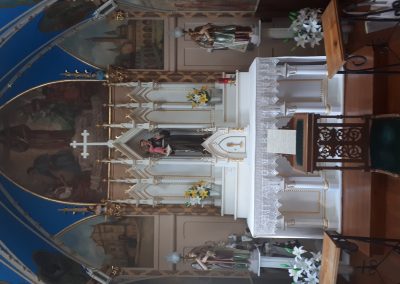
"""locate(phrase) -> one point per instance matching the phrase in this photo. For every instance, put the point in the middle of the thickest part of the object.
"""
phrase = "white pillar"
(306, 183)
(183, 180)
(305, 223)
(299, 108)
(184, 126)
(179, 106)
(311, 70)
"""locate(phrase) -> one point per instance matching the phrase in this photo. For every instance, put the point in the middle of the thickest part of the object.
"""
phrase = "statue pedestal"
(257, 261)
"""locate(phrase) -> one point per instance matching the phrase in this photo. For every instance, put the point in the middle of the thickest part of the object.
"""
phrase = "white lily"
(295, 274)
(314, 41)
(301, 40)
(317, 256)
(195, 200)
(312, 278)
(298, 251)
(307, 27)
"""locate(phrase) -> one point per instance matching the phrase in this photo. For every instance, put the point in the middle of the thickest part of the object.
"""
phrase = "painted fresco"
(122, 242)
(56, 268)
(195, 5)
(36, 129)
(133, 44)
(65, 14)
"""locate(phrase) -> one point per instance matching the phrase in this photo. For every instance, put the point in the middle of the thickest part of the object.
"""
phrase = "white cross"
(85, 144)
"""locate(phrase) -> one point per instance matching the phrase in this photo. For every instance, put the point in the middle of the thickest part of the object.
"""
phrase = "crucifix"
(85, 144)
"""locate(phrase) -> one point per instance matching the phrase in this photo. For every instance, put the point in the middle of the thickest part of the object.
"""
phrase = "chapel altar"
(246, 180)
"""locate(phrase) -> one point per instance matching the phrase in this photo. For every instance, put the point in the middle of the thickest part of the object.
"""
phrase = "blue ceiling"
(29, 59)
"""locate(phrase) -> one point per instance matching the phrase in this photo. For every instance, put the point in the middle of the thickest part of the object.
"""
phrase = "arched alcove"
(36, 129)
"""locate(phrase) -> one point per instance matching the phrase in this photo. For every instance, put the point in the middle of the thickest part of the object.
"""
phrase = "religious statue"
(166, 144)
(213, 256)
(232, 37)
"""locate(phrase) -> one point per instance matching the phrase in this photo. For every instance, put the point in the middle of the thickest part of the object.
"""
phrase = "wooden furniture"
(334, 49)
(330, 261)
(326, 142)
(334, 242)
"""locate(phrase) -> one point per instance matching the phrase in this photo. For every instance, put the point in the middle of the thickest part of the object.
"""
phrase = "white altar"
(248, 182)
(259, 186)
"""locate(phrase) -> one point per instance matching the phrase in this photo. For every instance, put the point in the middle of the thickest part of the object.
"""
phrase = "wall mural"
(35, 132)
(65, 14)
(56, 268)
(123, 242)
(194, 5)
(133, 44)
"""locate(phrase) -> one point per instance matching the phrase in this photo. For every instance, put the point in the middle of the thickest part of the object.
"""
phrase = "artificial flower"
(198, 96)
(312, 278)
(203, 194)
(295, 274)
(298, 251)
(317, 256)
(306, 27)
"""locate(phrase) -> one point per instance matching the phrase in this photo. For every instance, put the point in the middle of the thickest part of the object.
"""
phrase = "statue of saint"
(212, 257)
(166, 144)
(223, 37)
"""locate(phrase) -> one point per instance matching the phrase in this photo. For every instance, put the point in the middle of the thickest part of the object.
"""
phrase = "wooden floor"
(371, 201)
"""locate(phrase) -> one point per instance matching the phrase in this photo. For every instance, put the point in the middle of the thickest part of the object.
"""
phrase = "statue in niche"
(166, 144)
(232, 37)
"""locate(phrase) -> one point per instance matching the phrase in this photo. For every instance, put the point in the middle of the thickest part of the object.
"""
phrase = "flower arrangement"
(304, 269)
(306, 26)
(197, 193)
(199, 97)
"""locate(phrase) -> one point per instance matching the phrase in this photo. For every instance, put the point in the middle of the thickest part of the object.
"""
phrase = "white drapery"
(267, 184)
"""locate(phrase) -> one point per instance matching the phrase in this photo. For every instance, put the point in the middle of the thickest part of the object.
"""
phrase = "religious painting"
(132, 44)
(193, 5)
(36, 130)
(56, 268)
(122, 242)
(65, 14)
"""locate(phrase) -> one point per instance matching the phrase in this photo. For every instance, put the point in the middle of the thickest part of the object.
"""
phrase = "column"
(306, 183)
(183, 180)
(298, 108)
(311, 70)
(305, 223)
(184, 126)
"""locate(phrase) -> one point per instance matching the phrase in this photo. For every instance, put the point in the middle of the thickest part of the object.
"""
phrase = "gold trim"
(111, 97)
